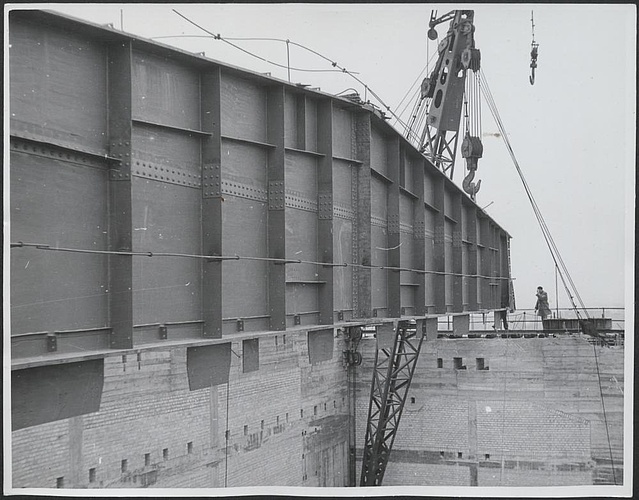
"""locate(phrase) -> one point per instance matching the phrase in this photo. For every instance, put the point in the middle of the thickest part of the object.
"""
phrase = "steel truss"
(392, 376)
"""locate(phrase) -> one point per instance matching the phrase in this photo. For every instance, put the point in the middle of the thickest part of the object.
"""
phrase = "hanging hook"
(469, 186)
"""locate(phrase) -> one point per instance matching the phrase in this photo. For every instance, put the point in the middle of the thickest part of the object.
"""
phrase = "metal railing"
(527, 319)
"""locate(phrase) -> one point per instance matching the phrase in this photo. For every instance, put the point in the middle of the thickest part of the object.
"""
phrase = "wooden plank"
(244, 109)
(276, 212)
(393, 241)
(325, 143)
(58, 86)
(165, 91)
(120, 191)
(211, 223)
(56, 290)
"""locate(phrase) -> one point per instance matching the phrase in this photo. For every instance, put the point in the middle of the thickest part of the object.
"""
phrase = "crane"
(399, 344)
(446, 93)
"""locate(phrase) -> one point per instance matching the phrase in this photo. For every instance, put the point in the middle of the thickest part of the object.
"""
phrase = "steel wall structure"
(132, 150)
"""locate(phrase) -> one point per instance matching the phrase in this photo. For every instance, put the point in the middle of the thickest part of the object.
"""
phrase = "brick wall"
(537, 406)
(147, 408)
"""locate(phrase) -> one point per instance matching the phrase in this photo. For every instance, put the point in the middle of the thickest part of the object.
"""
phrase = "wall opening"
(124, 465)
(147, 459)
(165, 453)
(481, 364)
(59, 482)
(189, 447)
(458, 363)
(440, 363)
(92, 475)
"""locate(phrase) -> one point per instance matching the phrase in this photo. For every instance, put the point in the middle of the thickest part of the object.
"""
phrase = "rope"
(554, 251)
(333, 63)
(275, 260)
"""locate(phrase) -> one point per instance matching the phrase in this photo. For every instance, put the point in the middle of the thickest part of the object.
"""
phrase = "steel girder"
(392, 376)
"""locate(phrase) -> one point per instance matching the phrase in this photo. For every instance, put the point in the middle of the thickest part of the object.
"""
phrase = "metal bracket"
(325, 207)
(276, 199)
(163, 331)
(240, 325)
(297, 320)
(340, 316)
(211, 181)
(52, 342)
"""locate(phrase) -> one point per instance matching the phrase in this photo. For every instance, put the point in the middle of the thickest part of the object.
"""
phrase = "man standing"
(541, 307)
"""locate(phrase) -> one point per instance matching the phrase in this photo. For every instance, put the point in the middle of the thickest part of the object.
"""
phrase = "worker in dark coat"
(541, 307)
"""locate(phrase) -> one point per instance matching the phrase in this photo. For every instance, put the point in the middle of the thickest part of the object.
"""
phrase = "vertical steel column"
(276, 209)
(119, 75)
(325, 209)
(392, 376)
(472, 257)
(484, 240)
(210, 117)
(458, 281)
(419, 235)
(504, 284)
(439, 280)
(300, 110)
(393, 290)
(362, 292)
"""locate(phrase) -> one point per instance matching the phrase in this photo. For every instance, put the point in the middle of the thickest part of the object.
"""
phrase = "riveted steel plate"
(457, 239)
(439, 234)
(22, 145)
(242, 190)
(276, 199)
(211, 181)
(378, 221)
(165, 173)
(419, 230)
(393, 223)
(325, 206)
(343, 212)
(297, 199)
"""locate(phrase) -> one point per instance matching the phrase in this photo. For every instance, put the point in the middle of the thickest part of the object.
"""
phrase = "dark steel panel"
(457, 257)
(208, 365)
(165, 91)
(310, 124)
(472, 257)
(49, 393)
(120, 209)
(379, 153)
(393, 240)
(166, 218)
(439, 255)
(243, 110)
(167, 149)
(362, 230)
(250, 355)
(212, 227)
(448, 263)
(277, 214)
(379, 257)
(291, 123)
(342, 253)
(325, 142)
(58, 86)
(56, 290)
(245, 282)
(342, 132)
(419, 236)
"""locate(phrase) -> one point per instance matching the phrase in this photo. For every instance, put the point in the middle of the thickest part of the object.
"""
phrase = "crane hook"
(469, 186)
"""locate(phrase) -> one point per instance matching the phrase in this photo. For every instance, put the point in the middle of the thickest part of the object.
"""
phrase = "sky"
(573, 131)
